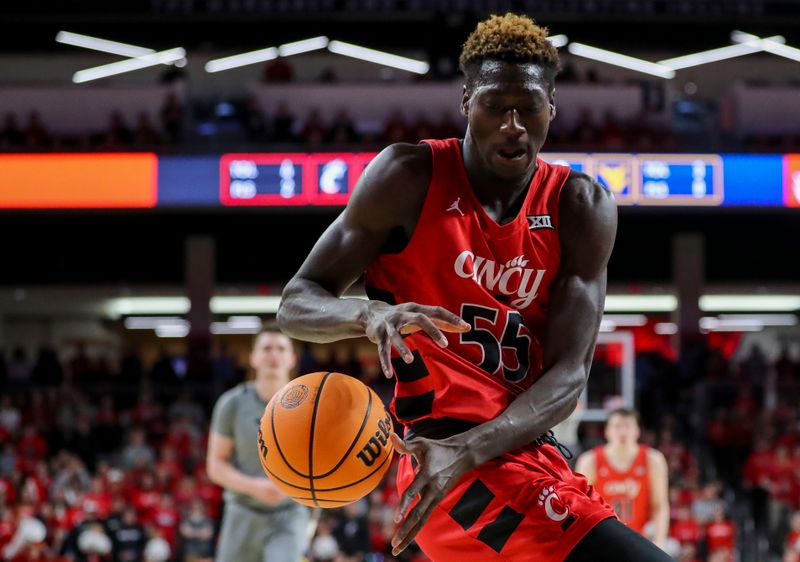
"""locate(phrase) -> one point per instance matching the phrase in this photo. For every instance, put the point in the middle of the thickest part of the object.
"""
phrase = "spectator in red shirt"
(685, 529)
(146, 497)
(165, 517)
(793, 539)
(720, 533)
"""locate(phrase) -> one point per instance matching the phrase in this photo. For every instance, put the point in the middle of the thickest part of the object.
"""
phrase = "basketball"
(324, 439)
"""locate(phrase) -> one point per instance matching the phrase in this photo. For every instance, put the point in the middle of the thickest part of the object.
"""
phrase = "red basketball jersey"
(496, 277)
(627, 491)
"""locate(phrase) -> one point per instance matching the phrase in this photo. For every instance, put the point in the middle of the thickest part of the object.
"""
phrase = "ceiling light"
(235, 61)
(558, 41)
(304, 46)
(173, 331)
(775, 44)
(666, 328)
(641, 303)
(239, 305)
(154, 59)
(754, 303)
(624, 61)
(378, 57)
(103, 45)
(626, 319)
(712, 55)
(147, 305)
(152, 322)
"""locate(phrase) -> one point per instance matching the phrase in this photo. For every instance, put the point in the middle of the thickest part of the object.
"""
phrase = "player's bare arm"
(659, 496)
(588, 222)
(587, 465)
(387, 201)
(223, 473)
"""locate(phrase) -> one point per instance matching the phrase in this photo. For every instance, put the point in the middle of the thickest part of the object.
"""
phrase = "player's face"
(509, 110)
(272, 356)
(622, 430)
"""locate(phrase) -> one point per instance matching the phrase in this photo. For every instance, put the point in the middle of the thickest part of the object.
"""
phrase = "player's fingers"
(401, 347)
(414, 522)
(385, 355)
(416, 487)
(445, 319)
(399, 445)
(430, 328)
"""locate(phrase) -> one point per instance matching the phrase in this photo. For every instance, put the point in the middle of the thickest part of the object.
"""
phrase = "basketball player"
(493, 263)
(631, 477)
(260, 524)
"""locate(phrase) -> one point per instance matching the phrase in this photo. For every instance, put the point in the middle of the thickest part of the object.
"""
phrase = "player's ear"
(465, 95)
(552, 104)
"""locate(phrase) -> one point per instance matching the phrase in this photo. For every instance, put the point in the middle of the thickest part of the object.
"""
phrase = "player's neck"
(622, 450)
(490, 190)
(267, 385)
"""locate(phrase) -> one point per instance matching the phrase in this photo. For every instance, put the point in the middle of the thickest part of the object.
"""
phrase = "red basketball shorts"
(527, 506)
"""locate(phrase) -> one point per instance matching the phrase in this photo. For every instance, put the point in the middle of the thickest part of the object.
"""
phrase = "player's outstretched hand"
(387, 323)
(441, 464)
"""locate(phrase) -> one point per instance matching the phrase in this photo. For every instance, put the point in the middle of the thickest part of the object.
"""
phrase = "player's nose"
(512, 124)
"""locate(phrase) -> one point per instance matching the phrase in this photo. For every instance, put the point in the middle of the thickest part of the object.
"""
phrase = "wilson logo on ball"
(295, 396)
(261, 444)
(372, 450)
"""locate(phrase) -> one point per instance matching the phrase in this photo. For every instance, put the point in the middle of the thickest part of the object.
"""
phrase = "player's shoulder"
(399, 163)
(233, 395)
(656, 456)
(392, 189)
(582, 193)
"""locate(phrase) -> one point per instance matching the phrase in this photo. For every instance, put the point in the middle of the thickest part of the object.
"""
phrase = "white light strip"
(774, 44)
(147, 305)
(152, 322)
(304, 46)
(666, 328)
(641, 303)
(606, 327)
(626, 319)
(558, 41)
(235, 61)
(760, 319)
(243, 305)
(244, 322)
(103, 45)
(617, 59)
(154, 59)
(713, 55)
(754, 303)
(218, 328)
(378, 57)
(173, 331)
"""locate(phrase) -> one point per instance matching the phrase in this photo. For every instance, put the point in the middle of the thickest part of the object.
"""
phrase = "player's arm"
(389, 196)
(587, 465)
(224, 474)
(658, 475)
(587, 228)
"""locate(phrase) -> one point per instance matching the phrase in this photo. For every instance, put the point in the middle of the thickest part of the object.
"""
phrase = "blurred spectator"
(324, 547)
(197, 534)
(396, 128)
(352, 531)
(10, 416)
(137, 454)
(313, 131)
(720, 533)
(172, 117)
(278, 70)
(283, 124)
(253, 121)
(129, 537)
(47, 371)
(36, 135)
(11, 136)
(19, 369)
(342, 130)
(145, 134)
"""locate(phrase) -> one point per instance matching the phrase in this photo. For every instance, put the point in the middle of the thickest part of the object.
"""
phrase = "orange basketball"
(324, 439)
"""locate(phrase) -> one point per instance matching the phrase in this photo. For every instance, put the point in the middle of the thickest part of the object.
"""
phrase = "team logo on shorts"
(553, 506)
(295, 396)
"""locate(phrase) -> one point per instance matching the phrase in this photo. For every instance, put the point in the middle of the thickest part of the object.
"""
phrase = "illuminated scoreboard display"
(300, 179)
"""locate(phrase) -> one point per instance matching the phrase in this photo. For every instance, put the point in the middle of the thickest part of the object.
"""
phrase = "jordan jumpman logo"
(454, 207)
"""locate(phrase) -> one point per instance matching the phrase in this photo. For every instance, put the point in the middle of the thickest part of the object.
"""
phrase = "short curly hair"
(511, 38)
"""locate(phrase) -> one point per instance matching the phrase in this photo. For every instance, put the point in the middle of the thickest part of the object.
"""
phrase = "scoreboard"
(299, 179)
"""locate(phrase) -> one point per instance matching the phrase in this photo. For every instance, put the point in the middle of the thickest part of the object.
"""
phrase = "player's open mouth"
(510, 154)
